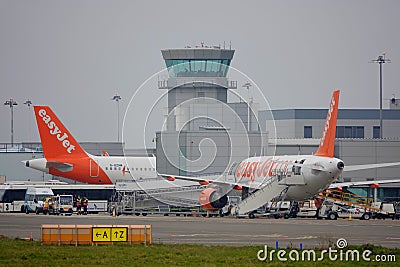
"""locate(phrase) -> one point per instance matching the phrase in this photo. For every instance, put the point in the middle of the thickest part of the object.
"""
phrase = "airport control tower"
(199, 123)
(196, 72)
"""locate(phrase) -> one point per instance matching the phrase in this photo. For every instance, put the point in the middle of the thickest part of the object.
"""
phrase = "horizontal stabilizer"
(61, 166)
(369, 166)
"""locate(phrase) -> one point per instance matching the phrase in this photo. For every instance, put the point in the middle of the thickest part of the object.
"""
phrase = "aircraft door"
(94, 169)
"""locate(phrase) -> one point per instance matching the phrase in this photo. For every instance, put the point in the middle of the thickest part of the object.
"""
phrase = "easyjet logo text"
(54, 130)
(328, 119)
(257, 169)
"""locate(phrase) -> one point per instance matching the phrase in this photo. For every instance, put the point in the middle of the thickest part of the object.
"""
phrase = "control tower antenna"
(380, 60)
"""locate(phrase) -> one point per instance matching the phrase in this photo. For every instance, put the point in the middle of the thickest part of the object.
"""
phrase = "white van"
(35, 198)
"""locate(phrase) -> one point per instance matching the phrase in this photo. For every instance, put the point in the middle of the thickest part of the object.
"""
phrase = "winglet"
(57, 141)
(327, 143)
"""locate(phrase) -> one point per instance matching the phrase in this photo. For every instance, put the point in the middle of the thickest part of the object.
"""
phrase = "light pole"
(117, 98)
(29, 103)
(11, 103)
(247, 86)
(380, 60)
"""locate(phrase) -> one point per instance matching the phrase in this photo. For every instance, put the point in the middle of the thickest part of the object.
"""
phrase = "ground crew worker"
(85, 205)
(79, 205)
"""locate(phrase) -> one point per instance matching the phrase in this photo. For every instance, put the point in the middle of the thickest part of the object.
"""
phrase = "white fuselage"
(117, 169)
(303, 175)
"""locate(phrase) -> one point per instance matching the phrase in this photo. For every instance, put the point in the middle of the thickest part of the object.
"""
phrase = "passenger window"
(106, 168)
(145, 169)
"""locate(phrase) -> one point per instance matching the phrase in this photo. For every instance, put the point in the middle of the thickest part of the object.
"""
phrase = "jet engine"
(210, 199)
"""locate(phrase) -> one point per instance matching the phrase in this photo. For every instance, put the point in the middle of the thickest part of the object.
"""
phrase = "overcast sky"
(74, 55)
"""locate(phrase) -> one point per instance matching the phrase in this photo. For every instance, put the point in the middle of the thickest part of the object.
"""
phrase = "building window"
(350, 132)
(307, 131)
(359, 131)
(376, 132)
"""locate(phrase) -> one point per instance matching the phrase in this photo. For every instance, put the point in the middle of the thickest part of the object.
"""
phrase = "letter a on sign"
(101, 234)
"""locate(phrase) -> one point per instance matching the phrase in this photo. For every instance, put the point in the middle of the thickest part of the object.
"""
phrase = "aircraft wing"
(349, 184)
(61, 166)
(369, 166)
(224, 180)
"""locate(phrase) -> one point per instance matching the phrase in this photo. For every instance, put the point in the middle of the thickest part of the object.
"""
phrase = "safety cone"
(114, 214)
(350, 218)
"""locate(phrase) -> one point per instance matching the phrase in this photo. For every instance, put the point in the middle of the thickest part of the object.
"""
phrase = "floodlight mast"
(380, 60)
(247, 85)
(11, 103)
(117, 98)
(28, 102)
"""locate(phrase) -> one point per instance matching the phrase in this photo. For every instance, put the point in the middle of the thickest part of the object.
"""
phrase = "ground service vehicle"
(387, 210)
(35, 198)
(60, 204)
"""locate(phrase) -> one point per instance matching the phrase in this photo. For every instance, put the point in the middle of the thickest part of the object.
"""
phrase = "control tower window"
(197, 68)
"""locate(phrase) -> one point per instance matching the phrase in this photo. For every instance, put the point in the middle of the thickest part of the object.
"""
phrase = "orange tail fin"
(327, 144)
(56, 139)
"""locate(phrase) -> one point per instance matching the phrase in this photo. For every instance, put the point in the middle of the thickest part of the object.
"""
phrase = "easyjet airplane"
(277, 178)
(64, 157)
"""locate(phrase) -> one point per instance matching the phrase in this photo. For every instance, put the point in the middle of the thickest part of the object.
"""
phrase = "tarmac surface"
(229, 231)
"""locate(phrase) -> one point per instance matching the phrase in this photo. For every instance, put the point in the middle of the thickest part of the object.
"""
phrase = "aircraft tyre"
(286, 216)
(251, 215)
